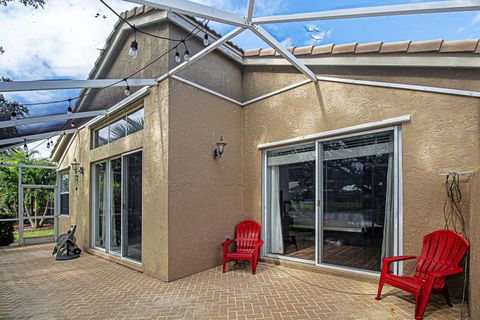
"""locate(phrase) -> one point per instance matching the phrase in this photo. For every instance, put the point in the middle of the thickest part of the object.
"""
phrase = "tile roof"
(431, 46)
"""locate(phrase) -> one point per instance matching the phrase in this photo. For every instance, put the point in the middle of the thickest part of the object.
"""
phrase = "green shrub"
(6, 229)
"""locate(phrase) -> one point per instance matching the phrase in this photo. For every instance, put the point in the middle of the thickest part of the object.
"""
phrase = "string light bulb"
(206, 42)
(186, 55)
(133, 52)
(69, 109)
(25, 147)
(13, 116)
(48, 144)
(72, 124)
(177, 57)
(126, 92)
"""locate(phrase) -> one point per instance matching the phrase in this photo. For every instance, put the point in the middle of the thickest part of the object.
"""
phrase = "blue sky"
(62, 40)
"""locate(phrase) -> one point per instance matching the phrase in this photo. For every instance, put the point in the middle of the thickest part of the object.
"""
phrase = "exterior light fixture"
(13, 116)
(205, 40)
(77, 169)
(72, 124)
(133, 52)
(25, 147)
(218, 151)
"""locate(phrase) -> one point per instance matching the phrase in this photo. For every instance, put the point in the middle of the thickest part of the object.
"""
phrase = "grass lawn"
(35, 233)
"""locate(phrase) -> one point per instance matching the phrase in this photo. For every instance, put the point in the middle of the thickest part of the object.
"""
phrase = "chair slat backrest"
(247, 232)
(441, 250)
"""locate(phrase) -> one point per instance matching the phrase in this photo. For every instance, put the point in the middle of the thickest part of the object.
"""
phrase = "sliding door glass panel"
(291, 201)
(357, 200)
(132, 222)
(116, 205)
(100, 207)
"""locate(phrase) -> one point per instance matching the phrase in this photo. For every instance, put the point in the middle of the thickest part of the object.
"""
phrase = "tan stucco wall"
(214, 71)
(149, 48)
(205, 195)
(474, 237)
(153, 141)
(442, 136)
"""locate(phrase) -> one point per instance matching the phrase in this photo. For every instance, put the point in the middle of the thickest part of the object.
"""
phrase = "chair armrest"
(388, 261)
(258, 244)
(399, 258)
(226, 243)
(446, 272)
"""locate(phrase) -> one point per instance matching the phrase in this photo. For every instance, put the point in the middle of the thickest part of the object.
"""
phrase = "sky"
(61, 41)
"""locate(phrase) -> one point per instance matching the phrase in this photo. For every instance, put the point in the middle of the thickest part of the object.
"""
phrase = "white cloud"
(318, 37)
(288, 42)
(58, 41)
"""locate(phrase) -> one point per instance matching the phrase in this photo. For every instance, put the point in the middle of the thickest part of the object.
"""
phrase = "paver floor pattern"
(35, 286)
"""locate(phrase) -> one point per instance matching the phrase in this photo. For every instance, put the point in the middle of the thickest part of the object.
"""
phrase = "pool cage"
(30, 129)
(34, 207)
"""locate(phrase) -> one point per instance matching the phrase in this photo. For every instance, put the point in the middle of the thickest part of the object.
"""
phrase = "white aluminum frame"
(187, 7)
(38, 85)
(375, 11)
(397, 199)
(20, 212)
(55, 117)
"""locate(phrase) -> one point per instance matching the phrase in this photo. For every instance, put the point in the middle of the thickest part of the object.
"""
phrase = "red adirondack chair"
(247, 235)
(441, 253)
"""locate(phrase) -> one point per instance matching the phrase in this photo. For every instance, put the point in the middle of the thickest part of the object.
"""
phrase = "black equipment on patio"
(65, 247)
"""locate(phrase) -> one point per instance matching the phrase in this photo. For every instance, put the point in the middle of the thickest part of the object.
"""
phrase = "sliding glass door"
(117, 206)
(332, 202)
(100, 205)
(132, 217)
(291, 182)
(357, 185)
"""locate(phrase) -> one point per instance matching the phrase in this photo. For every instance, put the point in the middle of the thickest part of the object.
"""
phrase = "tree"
(33, 3)
(6, 109)
(37, 202)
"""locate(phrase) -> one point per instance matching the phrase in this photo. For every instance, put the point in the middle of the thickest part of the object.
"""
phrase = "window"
(64, 193)
(128, 124)
(332, 202)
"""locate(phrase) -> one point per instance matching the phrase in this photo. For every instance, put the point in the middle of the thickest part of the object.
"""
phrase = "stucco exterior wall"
(153, 141)
(204, 195)
(214, 71)
(442, 137)
(149, 48)
(474, 237)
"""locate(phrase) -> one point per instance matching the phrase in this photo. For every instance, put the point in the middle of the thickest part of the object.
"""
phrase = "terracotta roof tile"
(368, 47)
(291, 49)
(425, 46)
(252, 52)
(344, 48)
(459, 46)
(326, 48)
(303, 50)
(267, 52)
(130, 13)
(400, 46)
(140, 10)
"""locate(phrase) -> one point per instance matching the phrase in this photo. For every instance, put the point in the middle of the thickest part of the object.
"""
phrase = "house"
(339, 172)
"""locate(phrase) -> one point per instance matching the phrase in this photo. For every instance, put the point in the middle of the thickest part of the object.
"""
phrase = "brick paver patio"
(34, 286)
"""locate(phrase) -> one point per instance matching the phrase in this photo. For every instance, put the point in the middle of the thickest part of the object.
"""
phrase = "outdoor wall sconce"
(218, 151)
(76, 168)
